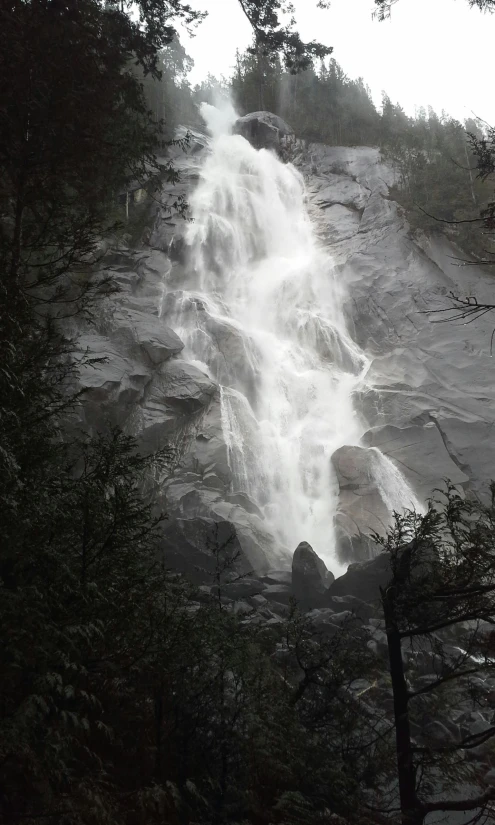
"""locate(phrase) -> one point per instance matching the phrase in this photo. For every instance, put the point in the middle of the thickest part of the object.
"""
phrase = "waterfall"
(263, 315)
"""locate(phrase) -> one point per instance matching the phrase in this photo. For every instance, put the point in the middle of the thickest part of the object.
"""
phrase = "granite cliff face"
(430, 405)
(424, 399)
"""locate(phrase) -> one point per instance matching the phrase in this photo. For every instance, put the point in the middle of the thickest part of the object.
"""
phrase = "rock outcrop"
(310, 577)
(362, 509)
(363, 580)
(264, 130)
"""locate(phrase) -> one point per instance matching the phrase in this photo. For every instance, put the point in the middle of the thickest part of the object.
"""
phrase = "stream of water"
(269, 326)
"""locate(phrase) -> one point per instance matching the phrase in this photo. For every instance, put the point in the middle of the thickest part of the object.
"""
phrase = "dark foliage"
(439, 610)
(321, 103)
(273, 37)
(384, 7)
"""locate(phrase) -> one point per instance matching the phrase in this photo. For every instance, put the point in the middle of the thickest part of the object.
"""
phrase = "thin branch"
(460, 804)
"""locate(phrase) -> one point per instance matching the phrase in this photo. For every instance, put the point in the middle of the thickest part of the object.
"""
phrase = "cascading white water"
(264, 317)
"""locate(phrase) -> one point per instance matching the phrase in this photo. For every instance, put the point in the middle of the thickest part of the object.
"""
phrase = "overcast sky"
(432, 52)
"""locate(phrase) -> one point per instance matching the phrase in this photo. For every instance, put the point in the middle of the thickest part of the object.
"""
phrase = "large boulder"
(144, 336)
(416, 562)
(178, 391)
(264, 130)
(184, 387)
(112, 385)
(362, 509)
(205, 450)
(363, 580)
(310, 577)
(191, 546)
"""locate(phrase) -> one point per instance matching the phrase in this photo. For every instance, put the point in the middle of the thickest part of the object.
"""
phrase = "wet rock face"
(420, 450)
(429, 398)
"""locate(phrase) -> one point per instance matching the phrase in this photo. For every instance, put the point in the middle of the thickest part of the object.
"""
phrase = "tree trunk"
(158, 702)
(470, 174)
(409, 804)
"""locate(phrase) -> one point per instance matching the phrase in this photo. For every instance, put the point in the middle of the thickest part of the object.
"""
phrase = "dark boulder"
(358, 607)
(310, 577)
(263, 130)
(243, 588)
(363, 580)
(189, 545)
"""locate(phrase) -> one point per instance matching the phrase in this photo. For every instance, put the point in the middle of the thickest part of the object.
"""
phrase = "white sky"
(432, 52)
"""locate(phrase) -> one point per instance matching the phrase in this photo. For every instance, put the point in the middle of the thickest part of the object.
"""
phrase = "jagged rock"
(193, 142)
(241, 609)
(177, 391)
(112, 387)
(443, 731)
(258, 601)
(233, 357)
(242, 589)
(277, 593)
(421, 372)
(212, 481)
(231, 353)
(162, 232)
(187, 497)
(254, 537)
(121, 257)
(184, 387)
(273, 621)
(322, 619)
(363, 579)
(310, 577)
(278, 610)
(205, 450)
(278, 577)
(262, 129)
(328, 622)
(244, 501)
(360, 608)
(158, 341)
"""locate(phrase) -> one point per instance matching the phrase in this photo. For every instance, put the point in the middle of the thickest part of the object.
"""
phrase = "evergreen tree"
(273, 37)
